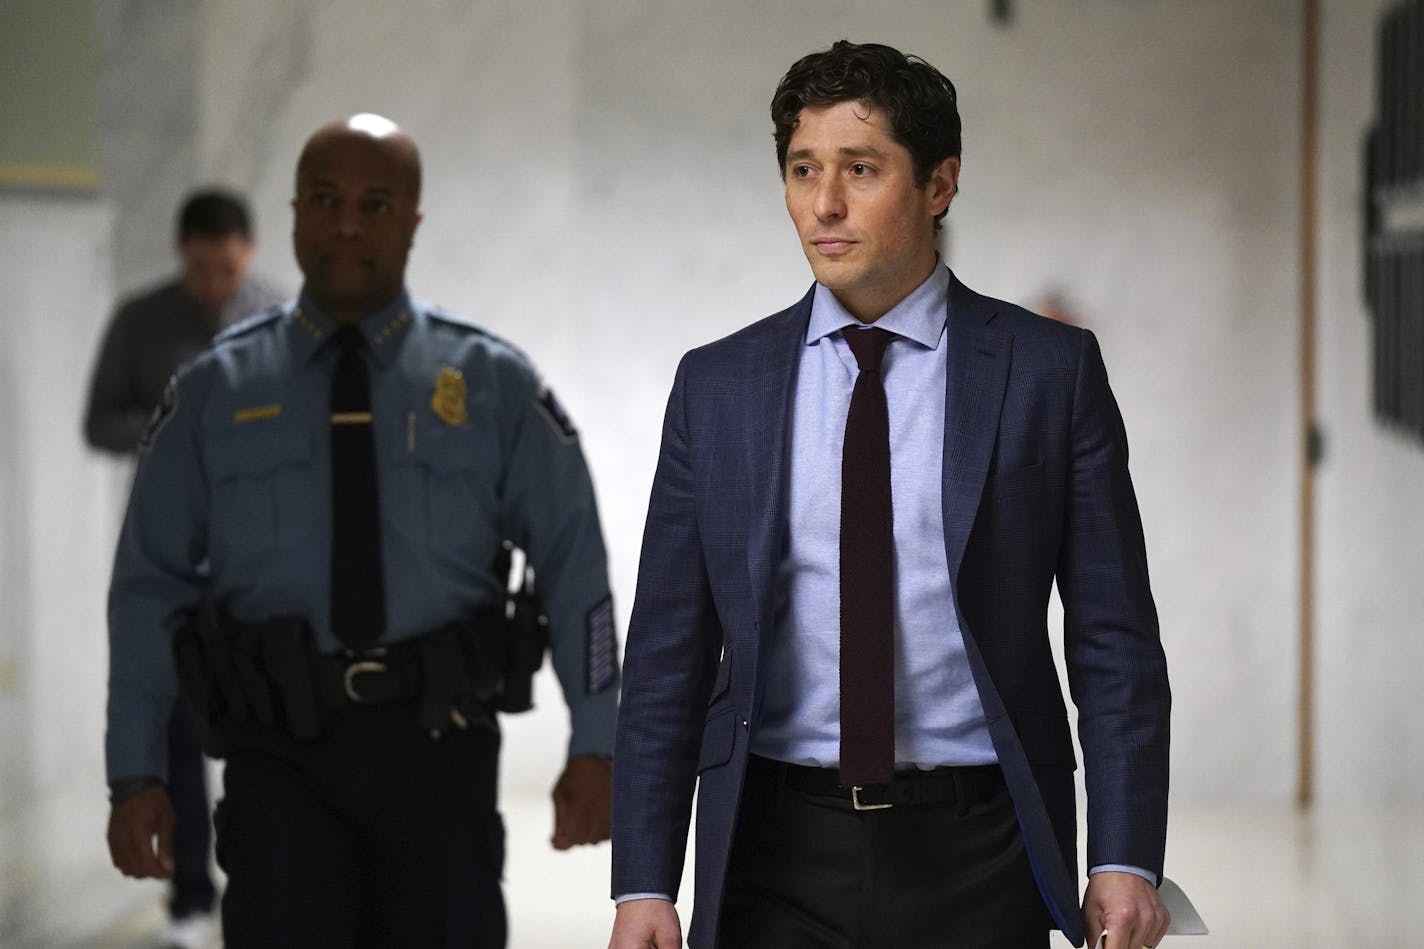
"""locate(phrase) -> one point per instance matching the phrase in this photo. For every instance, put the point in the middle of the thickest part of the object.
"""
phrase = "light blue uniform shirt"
(232, 502)
(938, 717)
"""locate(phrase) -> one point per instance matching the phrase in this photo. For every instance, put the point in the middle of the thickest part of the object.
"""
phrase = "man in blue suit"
(840, 636)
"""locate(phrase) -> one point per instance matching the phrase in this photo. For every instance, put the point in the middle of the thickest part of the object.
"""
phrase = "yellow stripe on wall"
(34, 175)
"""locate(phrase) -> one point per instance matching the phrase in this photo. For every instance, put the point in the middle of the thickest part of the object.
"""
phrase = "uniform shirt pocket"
(262, 491)
(449, 486)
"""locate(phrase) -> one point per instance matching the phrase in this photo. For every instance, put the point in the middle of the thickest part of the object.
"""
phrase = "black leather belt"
(374, 677)
(963, 786)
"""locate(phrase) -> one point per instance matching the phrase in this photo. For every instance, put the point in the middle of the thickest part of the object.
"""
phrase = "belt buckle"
(856, 802)
(348, 678)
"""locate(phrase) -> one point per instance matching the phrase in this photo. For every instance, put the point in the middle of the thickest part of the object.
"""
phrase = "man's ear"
(943, 184)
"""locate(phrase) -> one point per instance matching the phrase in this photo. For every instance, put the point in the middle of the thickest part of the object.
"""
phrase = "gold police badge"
(449, 399)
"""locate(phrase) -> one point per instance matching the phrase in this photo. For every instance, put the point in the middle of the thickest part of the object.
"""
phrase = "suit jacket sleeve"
(674, 639)
(1116, 668)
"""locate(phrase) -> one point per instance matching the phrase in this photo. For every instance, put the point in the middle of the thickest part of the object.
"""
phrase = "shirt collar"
(920, 316)
(383, 329)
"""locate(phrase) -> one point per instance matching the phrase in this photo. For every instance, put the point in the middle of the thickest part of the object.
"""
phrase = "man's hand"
(1126, 906)
(583, 802)
(141, 834)
(646, 924)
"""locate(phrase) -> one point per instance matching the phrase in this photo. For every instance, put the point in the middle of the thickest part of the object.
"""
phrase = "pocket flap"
(262, 448)
(718, 736)
(724, 676)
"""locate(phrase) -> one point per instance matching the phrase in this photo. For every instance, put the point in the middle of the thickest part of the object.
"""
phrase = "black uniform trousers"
(374, 835)
(808, 871)
(192, 889)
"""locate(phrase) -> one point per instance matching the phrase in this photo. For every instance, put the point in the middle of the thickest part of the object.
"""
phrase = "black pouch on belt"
(288, 658)
(196, 681)
(451, 691)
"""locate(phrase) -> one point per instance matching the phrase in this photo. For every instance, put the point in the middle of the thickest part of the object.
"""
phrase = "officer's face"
(355, 215)
(214, 267)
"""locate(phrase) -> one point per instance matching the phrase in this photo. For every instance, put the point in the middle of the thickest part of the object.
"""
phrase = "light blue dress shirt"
(938, 717)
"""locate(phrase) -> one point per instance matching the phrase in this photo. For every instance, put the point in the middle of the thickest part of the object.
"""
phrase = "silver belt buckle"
(348, 678)
(855, 801)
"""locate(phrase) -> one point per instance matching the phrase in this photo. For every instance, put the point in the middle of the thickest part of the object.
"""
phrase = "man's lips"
(832, 246)
(345, 260)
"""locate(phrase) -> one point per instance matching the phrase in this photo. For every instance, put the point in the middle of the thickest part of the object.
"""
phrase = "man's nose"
(346, 217)
(829, 203)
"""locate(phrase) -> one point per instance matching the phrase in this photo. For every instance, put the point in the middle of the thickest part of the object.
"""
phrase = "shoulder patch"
(602, 647)
(162, 412)
(554, 414)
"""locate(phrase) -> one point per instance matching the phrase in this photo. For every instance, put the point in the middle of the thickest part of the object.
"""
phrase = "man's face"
(354, 221)
(866, 228)
(214, 267)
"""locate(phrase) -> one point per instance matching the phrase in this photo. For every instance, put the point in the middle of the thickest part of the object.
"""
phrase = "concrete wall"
(59, 510)
(601, 188)
(1371, 514)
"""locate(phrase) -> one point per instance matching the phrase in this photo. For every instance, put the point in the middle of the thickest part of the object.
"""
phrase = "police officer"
(350, 465)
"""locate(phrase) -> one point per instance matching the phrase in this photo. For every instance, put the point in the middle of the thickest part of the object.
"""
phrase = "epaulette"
(470, 326)
(250, 323)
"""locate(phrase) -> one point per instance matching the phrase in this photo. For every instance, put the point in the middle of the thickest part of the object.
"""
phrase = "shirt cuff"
(1147, 875)
(125, 788)
(620, 900)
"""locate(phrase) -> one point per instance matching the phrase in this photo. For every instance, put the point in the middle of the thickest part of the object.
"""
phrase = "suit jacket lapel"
(771, 379)
(975, 380)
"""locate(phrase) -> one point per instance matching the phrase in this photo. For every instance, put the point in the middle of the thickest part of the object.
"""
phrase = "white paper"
(1186, 921)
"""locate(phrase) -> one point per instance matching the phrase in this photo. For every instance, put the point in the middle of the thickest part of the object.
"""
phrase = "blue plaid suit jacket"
(1036, 488)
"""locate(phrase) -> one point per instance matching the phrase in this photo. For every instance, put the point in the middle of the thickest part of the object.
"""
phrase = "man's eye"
(800, 171)
(375, 206)
(321, 199)
(860, 169)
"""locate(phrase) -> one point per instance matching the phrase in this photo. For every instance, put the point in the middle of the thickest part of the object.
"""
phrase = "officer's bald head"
(365, 131)
(356, 209)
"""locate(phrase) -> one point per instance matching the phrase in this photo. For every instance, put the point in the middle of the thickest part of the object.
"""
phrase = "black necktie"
(358, 600)
(867, 574)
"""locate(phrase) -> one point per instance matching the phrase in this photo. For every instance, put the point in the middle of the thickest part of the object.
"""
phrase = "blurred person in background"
(155, 331)
(149, 336)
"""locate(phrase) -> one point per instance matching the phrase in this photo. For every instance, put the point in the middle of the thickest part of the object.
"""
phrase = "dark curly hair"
(920, 104)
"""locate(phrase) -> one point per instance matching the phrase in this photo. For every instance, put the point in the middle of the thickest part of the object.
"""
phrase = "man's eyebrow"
(845, 151)
(319, 182)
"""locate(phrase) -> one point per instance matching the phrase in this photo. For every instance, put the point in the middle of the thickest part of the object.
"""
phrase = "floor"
(1261, 877)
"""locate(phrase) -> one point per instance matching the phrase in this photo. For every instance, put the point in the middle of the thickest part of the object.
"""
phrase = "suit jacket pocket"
(1009, 484)
(1045, 738)
(718, 736)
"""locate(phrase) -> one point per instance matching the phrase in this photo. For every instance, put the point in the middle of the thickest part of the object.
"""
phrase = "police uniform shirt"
(232, 502)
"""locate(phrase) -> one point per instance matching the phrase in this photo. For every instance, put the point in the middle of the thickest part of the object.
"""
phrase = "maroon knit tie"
(867, 574)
